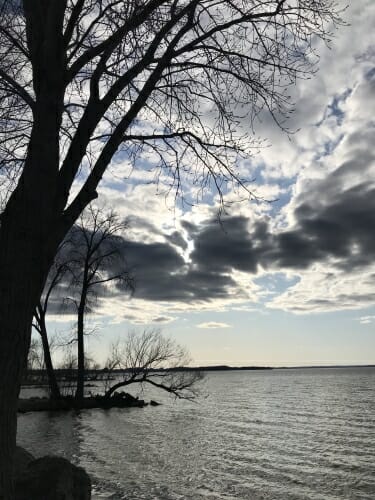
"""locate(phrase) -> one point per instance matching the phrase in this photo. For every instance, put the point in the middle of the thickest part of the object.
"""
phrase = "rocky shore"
(118, 400)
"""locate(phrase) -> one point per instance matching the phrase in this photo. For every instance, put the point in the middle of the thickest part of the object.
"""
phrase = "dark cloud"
(220, 248)
(335, 225)
(331, 224)
(342, 228)
(177, 239)
(161, 274)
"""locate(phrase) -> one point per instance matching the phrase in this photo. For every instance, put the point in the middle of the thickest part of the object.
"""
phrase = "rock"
(154, 403)
(22, 458)
(119, 400)
(125, 396)
(52, 478)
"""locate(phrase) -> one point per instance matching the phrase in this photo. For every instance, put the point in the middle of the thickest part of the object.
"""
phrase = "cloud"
(163, 319)
(161, 274)
(320, 232)
(322, 288)
(220, 248)
(366, 320)
(213, 324)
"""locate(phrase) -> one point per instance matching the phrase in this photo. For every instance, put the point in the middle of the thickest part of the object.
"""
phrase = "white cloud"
(366, 320)
(323, 288)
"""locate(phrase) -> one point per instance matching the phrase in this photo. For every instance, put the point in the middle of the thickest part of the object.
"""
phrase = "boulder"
(50, 478)
(22, 458)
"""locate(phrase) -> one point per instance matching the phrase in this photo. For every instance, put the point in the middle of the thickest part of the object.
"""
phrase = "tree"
(83, 79)
(58, 271)
(89, 257)
(151, 358)
(35, 358)
(95, 260)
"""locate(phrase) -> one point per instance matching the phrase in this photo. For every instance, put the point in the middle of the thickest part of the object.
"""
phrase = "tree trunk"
(52, 381)
(22, 273)
(30, 225)
(28, 243)
(13, 346)
(81, 346)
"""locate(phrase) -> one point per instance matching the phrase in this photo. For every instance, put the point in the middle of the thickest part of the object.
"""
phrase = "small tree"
(58, 272)
(151, 358)
(68, 370)
(35, 358)
(95, 260)
(89, 257)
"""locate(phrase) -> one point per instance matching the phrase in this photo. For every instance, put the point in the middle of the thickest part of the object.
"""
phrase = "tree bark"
(12, 359)
(30, 223)
(81, 345)
(29, 239)
(22, 273)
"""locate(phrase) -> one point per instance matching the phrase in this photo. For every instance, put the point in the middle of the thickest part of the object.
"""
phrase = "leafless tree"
(68, 369)
(88, 258)
(151, 358)
(56, 275)
(35, 358)
(83, 79)
(95, 260)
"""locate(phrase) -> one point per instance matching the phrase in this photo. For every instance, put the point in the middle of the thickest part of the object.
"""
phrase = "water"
(281, 434)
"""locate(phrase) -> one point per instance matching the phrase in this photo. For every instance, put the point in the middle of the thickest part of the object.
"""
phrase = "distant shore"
(236, 368)
(320, 366)
(93, 376)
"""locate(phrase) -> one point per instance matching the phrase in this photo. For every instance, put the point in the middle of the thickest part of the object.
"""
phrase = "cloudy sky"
(290, 278)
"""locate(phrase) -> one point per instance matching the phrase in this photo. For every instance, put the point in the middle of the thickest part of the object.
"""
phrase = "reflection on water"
(282, 434)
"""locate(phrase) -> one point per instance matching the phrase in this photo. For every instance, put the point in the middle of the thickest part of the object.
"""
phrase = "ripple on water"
(272, 435)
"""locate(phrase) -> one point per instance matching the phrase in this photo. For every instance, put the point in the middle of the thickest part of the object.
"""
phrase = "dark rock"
(125, 396)
(66, 404)
(154, 403)
(130, 398)
(52, 478)
(22, 459)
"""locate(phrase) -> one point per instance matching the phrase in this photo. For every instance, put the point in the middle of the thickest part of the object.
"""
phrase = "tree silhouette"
(89, 257)
(152, 358)
(81, 80)
(95, 260)
(58, 271)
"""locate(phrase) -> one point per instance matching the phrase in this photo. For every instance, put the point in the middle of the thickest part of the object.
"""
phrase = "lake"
(283, 434)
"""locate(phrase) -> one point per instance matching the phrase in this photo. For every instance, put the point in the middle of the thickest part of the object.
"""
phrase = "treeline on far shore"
(99, 374)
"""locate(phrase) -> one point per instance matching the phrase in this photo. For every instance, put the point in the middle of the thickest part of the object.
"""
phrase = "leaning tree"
(81, 80)
(150, 358)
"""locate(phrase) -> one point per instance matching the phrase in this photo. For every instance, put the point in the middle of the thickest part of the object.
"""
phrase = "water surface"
(280, 434)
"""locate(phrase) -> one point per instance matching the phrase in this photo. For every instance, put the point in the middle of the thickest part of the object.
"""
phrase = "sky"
(287, 279)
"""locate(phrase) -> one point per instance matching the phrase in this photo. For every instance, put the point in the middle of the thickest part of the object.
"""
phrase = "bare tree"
(151, 358)
(95, 260)
(89, 257)
(82, 79)
(57, 273)
(35, 358)
(68, 370)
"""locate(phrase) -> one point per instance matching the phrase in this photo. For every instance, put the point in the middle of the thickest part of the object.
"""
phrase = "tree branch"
(113, 40)
(88, 191)
(18, 89)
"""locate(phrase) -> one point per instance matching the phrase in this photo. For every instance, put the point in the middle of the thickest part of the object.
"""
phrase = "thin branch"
(18, 89)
